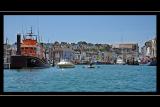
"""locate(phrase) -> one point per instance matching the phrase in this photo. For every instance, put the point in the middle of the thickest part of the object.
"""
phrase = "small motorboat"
(120, 61)
(65, 64)
(91, 66)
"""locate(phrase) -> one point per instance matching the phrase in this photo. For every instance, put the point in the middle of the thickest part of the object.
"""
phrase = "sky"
(107, 29)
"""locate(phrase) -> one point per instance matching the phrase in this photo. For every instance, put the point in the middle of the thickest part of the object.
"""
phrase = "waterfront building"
(143, 51)
(68, 54)
(77, 57)
(153, 48)
(127, 51)
(107, 57)
(56, 52)
(9, 50)
(149, 49)
(6, 53)
(60, 52)
(13, 49)
(149, 52)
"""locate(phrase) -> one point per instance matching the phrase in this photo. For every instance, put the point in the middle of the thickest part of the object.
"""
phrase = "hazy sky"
(108, 29)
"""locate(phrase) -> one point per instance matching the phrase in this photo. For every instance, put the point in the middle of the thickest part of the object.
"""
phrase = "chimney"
(18, 44)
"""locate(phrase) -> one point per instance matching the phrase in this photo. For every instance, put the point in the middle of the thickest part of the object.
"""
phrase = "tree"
(56, 43)
(108, 48)
(63, 43)
(102, 49)
(82, 43)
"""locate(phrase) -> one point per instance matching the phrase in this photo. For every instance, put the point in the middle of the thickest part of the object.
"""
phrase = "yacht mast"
(122, 48)
(6, 40)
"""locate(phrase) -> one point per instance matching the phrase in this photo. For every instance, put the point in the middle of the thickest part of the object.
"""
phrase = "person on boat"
(91, 65)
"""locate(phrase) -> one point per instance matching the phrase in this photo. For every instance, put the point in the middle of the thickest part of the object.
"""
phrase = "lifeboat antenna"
(38, 35)
(23, 32)
(38, 29)
(31, 29)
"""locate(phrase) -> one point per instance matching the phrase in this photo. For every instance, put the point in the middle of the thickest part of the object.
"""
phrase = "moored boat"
(65, 64)
(149, 62)
(120, 61)
(30, 54)
(152, 63)
(18, 62)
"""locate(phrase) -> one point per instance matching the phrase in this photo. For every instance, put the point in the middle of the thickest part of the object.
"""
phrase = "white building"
(150, 48)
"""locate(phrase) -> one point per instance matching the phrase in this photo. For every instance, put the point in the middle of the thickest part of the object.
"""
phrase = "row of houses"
(83, 52)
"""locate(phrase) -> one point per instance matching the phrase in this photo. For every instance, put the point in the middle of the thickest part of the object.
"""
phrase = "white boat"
(120, 61)
(65, 64)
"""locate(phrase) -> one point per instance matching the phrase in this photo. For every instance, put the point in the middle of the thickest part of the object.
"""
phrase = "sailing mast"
(6, 40)
(23, 32)
(122, 48)
(123, 51)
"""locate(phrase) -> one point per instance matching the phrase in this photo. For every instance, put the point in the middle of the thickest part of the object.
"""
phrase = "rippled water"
(106, 78)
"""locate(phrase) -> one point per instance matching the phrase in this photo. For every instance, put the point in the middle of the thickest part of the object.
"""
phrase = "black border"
(48, 5)
(1, 57)
(82, 13)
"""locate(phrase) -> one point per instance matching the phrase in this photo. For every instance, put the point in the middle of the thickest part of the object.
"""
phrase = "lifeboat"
(30, 54)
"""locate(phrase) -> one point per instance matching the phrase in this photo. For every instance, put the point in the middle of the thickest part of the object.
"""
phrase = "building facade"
(128, 51)
(149, 49)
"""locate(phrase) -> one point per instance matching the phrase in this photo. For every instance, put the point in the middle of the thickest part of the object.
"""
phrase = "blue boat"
(152, 63)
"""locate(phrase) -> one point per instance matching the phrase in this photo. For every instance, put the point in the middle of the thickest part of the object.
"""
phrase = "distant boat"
(91, 65)
(152, 63)
(65, 64)
(99, 63)
(120, 61)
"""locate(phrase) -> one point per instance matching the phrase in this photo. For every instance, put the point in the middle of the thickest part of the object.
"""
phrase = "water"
(106, 78)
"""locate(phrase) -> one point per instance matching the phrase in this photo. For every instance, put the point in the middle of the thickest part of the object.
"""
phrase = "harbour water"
(103, 78)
